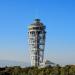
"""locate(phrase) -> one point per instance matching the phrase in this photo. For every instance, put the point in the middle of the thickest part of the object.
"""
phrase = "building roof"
(36, 23)
(48, 62)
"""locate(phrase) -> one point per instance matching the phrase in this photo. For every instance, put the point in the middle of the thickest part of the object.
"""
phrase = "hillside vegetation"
(56, 70)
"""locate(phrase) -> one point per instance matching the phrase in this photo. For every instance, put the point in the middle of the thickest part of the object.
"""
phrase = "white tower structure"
(36, 39)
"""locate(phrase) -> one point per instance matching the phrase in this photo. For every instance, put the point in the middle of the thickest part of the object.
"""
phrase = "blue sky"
(57, 15)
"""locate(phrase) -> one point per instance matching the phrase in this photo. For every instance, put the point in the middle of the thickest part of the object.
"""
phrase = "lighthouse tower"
(36, 40)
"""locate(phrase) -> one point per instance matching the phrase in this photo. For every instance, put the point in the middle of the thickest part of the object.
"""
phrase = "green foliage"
(55, 70)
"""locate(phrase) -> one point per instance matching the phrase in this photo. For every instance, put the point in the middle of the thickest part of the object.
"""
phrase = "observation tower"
(36, 41)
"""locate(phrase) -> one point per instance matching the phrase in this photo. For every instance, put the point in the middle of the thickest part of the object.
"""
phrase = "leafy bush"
(55, 70)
